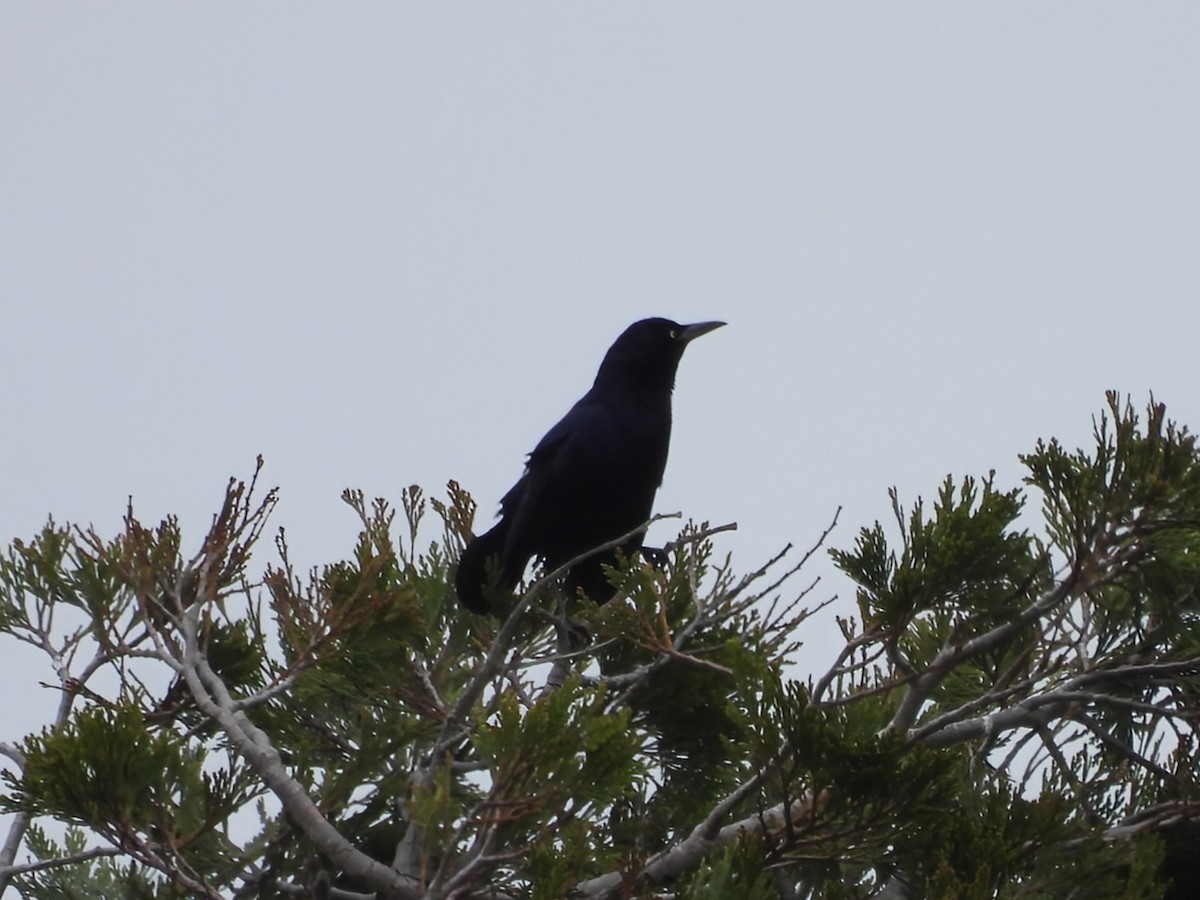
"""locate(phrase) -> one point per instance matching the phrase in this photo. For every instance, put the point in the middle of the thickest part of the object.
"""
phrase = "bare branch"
(255, 747)
(922, 687)
(687, 855)
(59, 861)
(11, 751)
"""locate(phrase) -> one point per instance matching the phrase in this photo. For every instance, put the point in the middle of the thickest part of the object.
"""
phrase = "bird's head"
(648, 352)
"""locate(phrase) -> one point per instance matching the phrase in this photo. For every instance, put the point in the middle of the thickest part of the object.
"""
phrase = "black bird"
(592, 478)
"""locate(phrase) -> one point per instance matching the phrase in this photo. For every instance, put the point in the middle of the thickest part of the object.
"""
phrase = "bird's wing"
(563, 450)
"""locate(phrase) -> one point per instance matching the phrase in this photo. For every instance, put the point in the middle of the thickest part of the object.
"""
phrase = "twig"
(687, 854)
(11, 751)
(69, 860)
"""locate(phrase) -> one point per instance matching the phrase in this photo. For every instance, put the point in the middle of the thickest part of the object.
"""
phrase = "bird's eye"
(673, 333)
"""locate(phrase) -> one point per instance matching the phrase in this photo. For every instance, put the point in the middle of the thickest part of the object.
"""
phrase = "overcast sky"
(385, 244)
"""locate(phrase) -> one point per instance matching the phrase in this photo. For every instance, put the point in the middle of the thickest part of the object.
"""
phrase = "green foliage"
(558, 860)
(685, 704)
(545, 759)
(1139, 480)
(737, 871)
(964, 559)
(106, 770)
(1012, 712)
(85, 880)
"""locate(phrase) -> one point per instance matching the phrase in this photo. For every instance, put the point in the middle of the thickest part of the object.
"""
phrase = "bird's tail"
(482, 572)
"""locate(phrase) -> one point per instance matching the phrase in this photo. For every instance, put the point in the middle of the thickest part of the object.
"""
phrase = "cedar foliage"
(1012, 712)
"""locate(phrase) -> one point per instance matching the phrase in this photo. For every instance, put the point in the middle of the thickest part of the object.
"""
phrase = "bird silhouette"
(592, 478)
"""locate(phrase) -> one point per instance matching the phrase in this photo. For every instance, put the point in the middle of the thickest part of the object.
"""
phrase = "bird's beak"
(691, 332)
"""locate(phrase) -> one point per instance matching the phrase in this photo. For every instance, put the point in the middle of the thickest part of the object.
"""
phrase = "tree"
(1013, 712)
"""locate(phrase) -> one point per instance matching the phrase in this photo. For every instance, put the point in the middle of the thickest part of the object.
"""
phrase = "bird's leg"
(562, 645)
(570, 638)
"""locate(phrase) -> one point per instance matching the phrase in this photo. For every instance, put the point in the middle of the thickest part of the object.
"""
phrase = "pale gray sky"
(344, 236)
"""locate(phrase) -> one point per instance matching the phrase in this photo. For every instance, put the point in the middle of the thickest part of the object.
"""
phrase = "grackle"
(592, 478)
